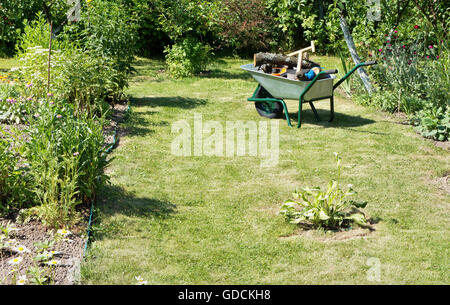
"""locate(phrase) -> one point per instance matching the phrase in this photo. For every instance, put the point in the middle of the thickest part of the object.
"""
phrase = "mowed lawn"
(214, 220)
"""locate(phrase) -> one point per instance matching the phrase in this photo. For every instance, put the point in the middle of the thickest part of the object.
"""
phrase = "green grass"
(213, 220)
(6, 64)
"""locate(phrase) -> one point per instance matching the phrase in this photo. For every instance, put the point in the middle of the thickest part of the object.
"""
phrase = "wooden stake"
(49, 56)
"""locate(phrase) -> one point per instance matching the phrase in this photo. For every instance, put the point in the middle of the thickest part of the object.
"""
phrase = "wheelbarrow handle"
(370, 63)
(363, 64)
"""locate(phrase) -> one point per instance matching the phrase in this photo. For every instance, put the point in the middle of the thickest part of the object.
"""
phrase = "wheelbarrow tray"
(284, 88)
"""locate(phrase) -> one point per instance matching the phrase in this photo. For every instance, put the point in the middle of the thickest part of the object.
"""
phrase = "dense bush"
(104, 37)
(246, 26)
(187, 57)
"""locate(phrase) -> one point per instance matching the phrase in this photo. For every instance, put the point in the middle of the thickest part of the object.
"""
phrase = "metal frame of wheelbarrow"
(301, 99)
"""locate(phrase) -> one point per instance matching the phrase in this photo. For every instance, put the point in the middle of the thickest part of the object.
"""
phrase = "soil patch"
(69, 257)
(443, 183)
(331, 235)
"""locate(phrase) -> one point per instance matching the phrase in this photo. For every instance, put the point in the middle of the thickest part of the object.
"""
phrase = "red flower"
(416, 26)
(380, 50)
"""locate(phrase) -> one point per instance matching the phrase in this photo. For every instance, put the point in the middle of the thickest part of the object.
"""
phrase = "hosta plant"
(433, 123)
(328, 208)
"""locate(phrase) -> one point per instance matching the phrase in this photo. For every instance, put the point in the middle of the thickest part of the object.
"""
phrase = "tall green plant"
(327, 208)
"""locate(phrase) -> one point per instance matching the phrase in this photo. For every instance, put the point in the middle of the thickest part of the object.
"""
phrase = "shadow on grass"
(341, 120)
(139, 123)
(114, 200)
(221, 74)
(176, 102)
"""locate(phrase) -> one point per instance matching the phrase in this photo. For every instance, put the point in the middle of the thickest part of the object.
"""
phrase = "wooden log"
(280, 60)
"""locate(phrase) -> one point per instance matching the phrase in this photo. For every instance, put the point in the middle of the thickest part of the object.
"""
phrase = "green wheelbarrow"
(272, 90)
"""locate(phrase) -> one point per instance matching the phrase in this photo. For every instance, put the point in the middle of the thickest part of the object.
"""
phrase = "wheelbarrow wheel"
(271, 110)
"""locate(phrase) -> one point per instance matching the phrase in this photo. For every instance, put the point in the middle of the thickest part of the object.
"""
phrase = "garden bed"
(28, 234)
(70, 252)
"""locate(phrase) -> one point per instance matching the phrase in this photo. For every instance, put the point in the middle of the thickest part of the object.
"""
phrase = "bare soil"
(27, 235)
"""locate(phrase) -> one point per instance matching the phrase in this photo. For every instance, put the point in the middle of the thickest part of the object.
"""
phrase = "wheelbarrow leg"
(286, 113)
(299, 123)
(331, 109)
(315, 111)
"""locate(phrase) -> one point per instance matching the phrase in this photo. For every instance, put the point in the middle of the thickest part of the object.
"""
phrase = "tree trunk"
(352, 48)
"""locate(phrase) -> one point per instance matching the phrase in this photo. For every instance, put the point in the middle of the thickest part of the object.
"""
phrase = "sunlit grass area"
(214, 220)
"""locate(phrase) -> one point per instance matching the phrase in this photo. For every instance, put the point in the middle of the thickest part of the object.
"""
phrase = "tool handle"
(370, 63)
(332, 71)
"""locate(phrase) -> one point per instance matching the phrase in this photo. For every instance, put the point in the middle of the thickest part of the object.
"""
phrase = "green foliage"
(246, 27)
(187, 18)
(325, 209)
(14, 16)
(433, 123)
(187, 58)
(13, 183)
(109, 33)
(67, 161)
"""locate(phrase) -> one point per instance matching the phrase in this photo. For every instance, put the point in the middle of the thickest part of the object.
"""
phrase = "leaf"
(323, 216)
(360, 204)
(358, 218)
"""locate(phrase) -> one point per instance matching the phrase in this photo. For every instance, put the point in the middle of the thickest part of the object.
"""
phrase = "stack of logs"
(268, 61)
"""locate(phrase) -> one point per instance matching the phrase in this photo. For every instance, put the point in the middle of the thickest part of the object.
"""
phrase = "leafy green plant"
(13, 184)
(67, 159)
(433, 123)
(187, 58)
(327, 208)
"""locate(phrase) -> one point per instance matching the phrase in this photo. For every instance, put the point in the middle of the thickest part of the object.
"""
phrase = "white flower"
(15, 261)
(64, 232)
(22, 280)
(140, 280)
(350, 185)
(53, 262)
(55, 253)
(10, 243)
(21, 249)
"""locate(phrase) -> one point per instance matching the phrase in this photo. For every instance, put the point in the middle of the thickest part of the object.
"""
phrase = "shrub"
(326, 209)
(75, 77)
(246, 27)
(107, 32)
(187, 58)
